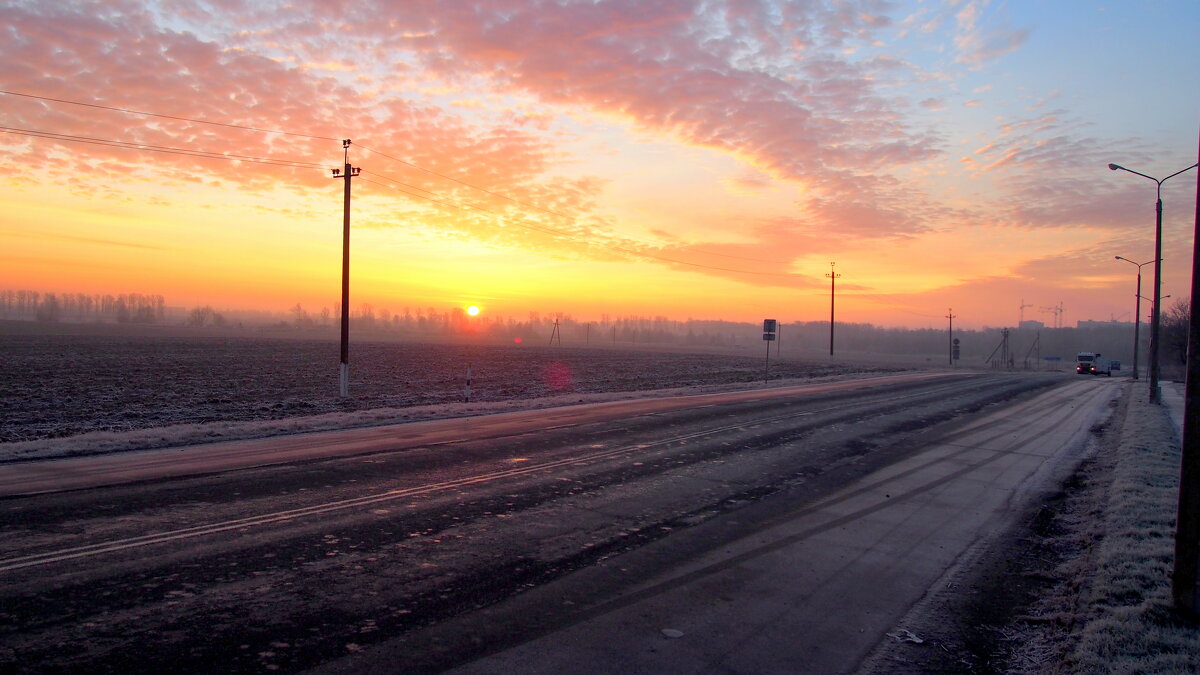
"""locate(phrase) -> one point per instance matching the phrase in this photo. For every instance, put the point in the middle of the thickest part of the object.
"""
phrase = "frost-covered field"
(58, 386)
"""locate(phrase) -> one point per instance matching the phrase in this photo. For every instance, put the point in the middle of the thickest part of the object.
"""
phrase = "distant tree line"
(429, 323)
(79, 307)
(1026, 348)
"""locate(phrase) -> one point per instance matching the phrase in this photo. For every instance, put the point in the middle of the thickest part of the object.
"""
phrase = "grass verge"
(1126, 622)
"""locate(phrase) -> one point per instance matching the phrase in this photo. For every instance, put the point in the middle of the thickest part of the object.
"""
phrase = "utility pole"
(833, 277)
(1185, 582)
(950, 340)
(345, 173)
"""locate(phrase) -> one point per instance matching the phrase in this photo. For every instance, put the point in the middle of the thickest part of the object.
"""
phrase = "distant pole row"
(1155, 310)
(1185, 577)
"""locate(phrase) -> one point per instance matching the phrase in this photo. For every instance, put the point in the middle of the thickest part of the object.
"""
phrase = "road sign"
(770, 326)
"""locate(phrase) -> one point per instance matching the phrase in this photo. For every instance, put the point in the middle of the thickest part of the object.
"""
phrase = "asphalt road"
(548, 540)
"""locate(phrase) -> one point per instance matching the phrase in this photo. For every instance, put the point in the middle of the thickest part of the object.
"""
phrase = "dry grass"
(1126, 623)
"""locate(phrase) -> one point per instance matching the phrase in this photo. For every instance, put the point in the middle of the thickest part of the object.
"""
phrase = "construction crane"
(1057, 311)
(1021, 314)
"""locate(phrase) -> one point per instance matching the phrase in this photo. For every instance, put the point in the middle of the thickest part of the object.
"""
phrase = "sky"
(713, 159)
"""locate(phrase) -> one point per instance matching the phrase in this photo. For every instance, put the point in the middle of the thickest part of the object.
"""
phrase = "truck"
(1092, 363)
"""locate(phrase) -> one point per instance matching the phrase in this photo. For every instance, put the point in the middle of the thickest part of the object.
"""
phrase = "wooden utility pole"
(833, 277)
(950, 340)
(345, 173)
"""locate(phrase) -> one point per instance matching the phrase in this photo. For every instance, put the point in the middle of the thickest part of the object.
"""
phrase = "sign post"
(770, 328)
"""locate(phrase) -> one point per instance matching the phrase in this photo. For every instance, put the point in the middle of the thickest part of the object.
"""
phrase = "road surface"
(772, 530)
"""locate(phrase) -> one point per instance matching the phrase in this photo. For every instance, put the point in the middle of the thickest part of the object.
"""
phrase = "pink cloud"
(706, 78)
(122, 58)
(673, 69)
(978, 44)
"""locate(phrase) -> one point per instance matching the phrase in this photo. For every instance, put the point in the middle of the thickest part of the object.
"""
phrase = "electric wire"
(891, 304)
(534, 207)
(567, 235)
(132, 145)
(330, 138)
(186, 151)
(169, 117)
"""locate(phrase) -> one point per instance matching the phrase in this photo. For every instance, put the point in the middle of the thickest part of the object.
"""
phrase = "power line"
(265, 160)
(567, 235)
(326, 138)
(34, 133)
(535, 207)
(890, 303)
(132, 145)
(740, 257)
(206, 154)
(169, 117)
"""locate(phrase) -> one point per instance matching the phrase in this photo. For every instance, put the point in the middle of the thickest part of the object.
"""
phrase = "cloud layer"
(468, 116)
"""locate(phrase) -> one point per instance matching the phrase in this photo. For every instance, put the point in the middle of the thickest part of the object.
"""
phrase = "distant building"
(1104, 324)
(1031, 325)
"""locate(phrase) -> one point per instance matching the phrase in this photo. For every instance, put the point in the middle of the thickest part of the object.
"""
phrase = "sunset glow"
(679, 159)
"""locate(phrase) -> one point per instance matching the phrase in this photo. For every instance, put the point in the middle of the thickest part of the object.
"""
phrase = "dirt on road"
(1075, 585)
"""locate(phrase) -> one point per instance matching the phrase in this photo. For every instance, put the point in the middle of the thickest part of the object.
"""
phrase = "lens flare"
(557, 376)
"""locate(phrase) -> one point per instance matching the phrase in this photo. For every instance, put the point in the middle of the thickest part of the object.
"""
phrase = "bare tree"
(1174, 329)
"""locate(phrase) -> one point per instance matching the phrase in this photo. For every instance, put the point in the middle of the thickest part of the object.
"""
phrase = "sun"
(473, 310)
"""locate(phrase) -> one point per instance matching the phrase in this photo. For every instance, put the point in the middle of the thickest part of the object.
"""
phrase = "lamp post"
(1155, 314)
(1137, 312)
(1185, 579)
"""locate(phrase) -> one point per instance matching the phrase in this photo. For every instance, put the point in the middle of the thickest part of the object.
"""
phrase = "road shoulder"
(1080, 583)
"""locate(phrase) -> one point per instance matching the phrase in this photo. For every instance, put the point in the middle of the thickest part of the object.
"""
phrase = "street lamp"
(1154, 317)
(1137, 312)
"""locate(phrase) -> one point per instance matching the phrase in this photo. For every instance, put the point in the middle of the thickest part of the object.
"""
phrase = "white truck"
(1092, 363)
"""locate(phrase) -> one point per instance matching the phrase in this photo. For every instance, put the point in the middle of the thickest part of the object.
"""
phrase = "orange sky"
(619, 157)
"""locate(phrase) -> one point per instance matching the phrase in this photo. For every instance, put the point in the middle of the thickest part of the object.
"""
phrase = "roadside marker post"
(770, 327)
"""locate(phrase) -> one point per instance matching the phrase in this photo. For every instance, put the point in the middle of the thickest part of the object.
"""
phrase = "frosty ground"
(1081, 586)
(67, 395)
(1082, 583)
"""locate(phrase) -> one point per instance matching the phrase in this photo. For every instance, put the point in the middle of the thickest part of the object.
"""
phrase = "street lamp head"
(1114, 167)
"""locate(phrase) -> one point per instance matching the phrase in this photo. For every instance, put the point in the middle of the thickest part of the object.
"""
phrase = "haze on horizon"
(682, 159)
